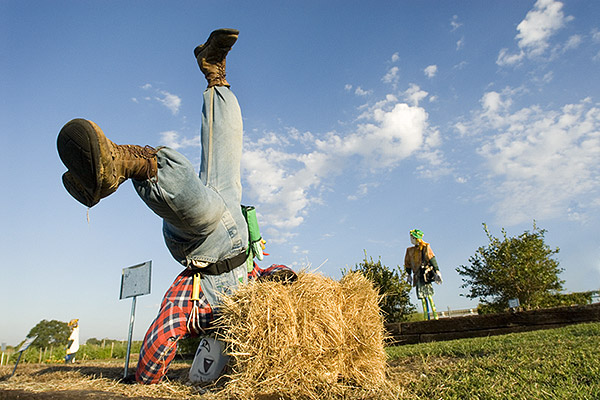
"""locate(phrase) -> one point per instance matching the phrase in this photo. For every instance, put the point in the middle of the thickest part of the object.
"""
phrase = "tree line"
(522, 267)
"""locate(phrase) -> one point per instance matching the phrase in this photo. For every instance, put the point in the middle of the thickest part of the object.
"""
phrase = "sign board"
(513, 303)
(26, 343)
(23, 347)
(135, 281)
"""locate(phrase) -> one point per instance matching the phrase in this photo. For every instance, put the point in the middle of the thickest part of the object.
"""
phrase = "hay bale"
(308, 339)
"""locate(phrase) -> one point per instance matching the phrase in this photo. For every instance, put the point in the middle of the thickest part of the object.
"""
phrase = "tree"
(392, 286)
(519, 267)
(50, 333)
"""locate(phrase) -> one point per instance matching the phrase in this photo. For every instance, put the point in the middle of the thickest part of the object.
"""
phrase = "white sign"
(513, 303)
(26, 343)
(135, 281)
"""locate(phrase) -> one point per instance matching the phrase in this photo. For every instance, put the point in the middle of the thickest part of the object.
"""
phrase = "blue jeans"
(202, 217)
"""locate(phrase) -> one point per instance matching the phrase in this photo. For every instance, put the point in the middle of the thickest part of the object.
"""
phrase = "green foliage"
(93, 341)
(392, 286)
(519, 267)
(50, 354)
(50, 333)
(103, 342)
(545, 364)
(188, 345)
(111, 349)
(570, 299)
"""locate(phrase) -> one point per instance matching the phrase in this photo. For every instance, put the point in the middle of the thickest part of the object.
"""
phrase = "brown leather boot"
(211, 55)
(97, 166)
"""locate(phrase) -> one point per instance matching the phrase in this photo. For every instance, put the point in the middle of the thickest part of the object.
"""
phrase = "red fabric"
(160, 343)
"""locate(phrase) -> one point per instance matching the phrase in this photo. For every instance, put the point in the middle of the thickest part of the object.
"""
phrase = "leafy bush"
(519, 267)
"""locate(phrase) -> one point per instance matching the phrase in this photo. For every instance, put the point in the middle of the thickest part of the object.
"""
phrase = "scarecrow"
(204, 226)
(422, 269)
(73, 343)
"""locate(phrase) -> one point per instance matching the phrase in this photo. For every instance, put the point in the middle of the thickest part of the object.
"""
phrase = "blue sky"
(362, 120)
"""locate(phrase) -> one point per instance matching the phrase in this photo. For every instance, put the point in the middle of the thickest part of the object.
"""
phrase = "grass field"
(559, 363)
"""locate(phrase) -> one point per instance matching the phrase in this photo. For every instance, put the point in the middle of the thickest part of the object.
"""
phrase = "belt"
(220, 267)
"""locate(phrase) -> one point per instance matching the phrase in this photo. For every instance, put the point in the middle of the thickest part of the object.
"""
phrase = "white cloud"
(534, 32)
(414, 94)
(539, 161)
(494, 105)
(360, 92)
(287, 173)
(171, 101)
(454, 23)
(573, 42)
(460, 43)
(460, 65)
(507, 59)
(548, 77)
(173, 140)
(363, 190)
(430, 71)
(395, 57)
(391, 76)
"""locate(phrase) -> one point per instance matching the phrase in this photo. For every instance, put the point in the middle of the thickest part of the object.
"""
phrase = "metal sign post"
(135, 281)
(23, 347)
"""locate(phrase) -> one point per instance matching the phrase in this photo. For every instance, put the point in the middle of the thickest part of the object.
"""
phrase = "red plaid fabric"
(160, 343)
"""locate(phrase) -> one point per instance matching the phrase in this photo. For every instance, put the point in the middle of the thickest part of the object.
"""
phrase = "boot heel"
(79, 150)
(78, 191)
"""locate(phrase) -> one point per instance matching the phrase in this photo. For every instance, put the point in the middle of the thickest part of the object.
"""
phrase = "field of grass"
(53, 355)
(559, 363)
(553, 364)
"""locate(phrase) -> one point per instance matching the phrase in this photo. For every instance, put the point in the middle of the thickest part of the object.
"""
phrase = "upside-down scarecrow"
(204, 226)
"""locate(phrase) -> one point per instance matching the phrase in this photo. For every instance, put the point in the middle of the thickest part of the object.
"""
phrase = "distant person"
(73, 343)
(203, 223)
(422, 269)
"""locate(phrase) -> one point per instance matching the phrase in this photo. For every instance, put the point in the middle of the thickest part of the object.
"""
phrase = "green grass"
(86, 352)
(559, 363)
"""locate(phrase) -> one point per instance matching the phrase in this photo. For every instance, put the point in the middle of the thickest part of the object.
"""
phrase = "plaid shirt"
(160, 342)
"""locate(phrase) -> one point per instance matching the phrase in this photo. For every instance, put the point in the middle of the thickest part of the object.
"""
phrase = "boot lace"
(128, 153)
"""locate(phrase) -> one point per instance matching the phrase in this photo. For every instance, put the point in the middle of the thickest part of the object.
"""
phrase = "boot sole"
(214, 34)
(79, 150)
(78, 191)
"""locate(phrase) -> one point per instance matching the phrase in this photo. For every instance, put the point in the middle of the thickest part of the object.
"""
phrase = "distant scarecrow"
(73, 344)
(422, 269)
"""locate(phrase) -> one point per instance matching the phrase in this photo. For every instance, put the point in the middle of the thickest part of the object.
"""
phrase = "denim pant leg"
(202, 215)
(221, 137)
